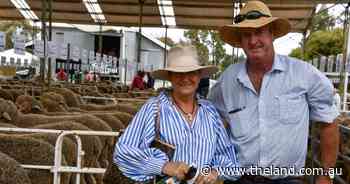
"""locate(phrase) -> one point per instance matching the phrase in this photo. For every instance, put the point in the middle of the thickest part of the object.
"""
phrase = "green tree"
(10, 27)
(321, 43)
(167, 41)
(322, 21)
(206, 41)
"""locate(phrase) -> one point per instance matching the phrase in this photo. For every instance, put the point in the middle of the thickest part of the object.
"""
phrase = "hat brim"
(163, 74)
(231, 33)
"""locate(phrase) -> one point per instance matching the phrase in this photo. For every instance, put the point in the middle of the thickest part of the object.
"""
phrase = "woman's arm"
(225, 155)
(132, 153)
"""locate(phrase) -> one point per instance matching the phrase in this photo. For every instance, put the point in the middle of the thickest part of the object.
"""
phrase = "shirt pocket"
(240, 123)
(291, 108)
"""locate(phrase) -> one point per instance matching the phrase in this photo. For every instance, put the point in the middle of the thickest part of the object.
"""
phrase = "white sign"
(3, 60)
(39, 48)
(25, 62)
(2, 41)
(98, 57)
(115, 60)
(110, 59)
(12, 61)
(91, 57)
(104, 58)
(76, 53)
(19, 44)
(84, 56)
(63, 51)
(18, 62)
(52, 49)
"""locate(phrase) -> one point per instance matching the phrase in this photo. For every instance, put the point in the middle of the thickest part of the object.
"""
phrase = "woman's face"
(185, 84)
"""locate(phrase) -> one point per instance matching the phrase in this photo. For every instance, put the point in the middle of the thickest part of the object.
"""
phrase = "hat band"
(252, 15)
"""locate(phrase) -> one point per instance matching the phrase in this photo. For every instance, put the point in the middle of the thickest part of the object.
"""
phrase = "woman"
(190, 124)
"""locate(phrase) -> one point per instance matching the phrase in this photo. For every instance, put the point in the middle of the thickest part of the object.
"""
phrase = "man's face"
(257, 44)
(185, 84)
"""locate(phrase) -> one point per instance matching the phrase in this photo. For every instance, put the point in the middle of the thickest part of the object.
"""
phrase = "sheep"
(5, 94)
(71, 98)
(28, 104)
(53, 102)
(111, 120)
(92, 145)
(32, 151)
(11, 171)
(9, 113)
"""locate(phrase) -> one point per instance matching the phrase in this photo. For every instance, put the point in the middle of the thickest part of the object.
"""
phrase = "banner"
(53, 49)
(63, 51)
(75, 53)
(2, 41)
(84, 56)
(39, 48)
(19, 44)
(91, 57)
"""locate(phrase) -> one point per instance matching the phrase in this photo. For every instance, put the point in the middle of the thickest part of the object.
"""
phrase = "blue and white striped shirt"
(203, 143)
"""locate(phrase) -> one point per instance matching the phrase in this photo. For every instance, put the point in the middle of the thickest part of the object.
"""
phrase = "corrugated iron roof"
(208, 14)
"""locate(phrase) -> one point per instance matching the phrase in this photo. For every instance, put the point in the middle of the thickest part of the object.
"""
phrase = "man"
(270, 99)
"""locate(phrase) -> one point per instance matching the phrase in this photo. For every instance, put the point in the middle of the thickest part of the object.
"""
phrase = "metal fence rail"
(57, 168)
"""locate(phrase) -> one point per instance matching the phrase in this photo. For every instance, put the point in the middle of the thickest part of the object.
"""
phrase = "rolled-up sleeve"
(132, 153)
(320, 97)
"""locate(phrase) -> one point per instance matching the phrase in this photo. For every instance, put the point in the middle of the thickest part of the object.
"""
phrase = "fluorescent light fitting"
(95, 11)
(24, 9)
(166, 11)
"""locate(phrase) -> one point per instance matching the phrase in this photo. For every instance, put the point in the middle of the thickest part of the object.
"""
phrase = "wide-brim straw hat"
(182, 59)
(231, 33)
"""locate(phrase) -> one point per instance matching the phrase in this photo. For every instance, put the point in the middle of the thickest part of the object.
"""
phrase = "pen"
(236, 110)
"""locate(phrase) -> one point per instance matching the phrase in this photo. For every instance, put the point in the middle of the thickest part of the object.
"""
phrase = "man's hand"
(323, 180)
(209, 179)
(176, 169)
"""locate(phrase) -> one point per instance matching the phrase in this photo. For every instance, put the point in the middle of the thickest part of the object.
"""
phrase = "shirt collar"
(278, 65)
(166, 98)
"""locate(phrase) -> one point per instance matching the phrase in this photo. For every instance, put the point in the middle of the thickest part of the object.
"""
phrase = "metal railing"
(57, 168)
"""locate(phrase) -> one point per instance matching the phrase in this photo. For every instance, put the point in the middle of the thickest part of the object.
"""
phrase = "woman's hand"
(207, 179)
(176, 169)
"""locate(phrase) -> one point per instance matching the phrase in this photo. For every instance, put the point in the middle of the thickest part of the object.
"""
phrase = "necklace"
(188, 115)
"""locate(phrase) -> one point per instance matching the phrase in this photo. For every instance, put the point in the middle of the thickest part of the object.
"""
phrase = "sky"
(283, 45)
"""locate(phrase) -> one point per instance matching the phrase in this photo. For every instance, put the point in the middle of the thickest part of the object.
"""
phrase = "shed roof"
(207, 14)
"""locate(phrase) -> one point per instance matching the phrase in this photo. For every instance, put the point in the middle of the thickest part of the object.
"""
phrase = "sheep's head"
(27, 104)
(8, 110)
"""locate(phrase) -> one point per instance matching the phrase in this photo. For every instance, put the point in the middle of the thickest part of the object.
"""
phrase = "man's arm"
(329, 134)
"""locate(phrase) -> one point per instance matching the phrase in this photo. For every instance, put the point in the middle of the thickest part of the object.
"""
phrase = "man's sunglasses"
(250, 16)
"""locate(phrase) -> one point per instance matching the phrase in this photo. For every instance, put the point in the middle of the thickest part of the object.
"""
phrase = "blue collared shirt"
(203, 143)
(270, 128)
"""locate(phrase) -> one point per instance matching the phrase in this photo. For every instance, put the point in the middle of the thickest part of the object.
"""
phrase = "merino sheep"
(71, 98)
(5, 94)
(92, 145)
(27, 104)
(11, 171)
(32, 151)
(9, 113)
(53, 102)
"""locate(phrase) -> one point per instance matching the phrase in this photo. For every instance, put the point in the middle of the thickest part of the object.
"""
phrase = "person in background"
(61, 75)
(150, 81)
(137, 82)
(203, 87)
(270, 99)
